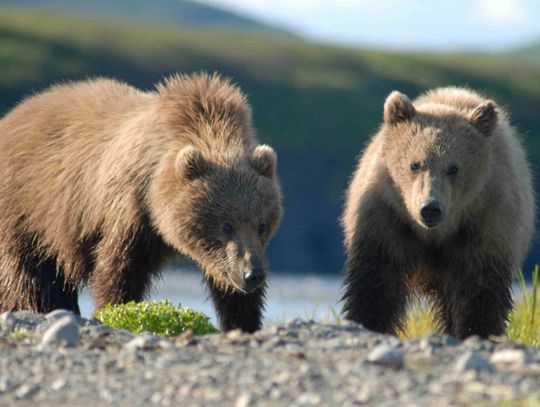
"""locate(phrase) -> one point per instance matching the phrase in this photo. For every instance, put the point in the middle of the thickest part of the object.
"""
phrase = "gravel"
(298, 363)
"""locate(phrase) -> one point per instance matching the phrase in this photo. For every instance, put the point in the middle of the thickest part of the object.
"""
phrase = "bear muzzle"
(247, 278)
(432, 213)
(253, 278)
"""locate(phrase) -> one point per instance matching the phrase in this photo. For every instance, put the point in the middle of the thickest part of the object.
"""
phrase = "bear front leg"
(478, 304)
(375, 292)
(122, 272)
(238, 310)
(29, 283)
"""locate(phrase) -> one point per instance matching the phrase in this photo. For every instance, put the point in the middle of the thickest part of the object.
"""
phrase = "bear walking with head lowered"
(101, 183)
(440, 204)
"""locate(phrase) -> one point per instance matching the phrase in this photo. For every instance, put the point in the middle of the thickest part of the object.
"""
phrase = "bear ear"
(398, 108)
(484, 118)
(190, 163)
(263, 160)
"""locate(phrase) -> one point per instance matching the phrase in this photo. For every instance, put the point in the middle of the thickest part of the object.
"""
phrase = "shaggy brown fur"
(101, 183)
(441, 204)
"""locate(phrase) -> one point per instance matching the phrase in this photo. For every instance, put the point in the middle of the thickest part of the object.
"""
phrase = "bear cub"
(441, 204)
(101, 184)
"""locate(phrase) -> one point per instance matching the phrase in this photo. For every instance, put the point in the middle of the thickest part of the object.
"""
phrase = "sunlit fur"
(465, 262)
(102, 183)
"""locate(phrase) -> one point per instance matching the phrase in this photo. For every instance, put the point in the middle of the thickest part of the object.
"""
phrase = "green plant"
(160, 318)
(20, 335)
(420, 320)
(523, 323)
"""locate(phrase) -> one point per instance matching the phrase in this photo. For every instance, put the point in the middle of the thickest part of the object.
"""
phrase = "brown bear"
(441, 204)
(101, 183)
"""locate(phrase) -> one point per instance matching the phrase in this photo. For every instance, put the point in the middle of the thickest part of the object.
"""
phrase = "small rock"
(235, 335)
(513, 356)
(243, 401)
(364, 394)
(473, 361)
(473, 342)
(393, 342)
(386, 355)
(307, 399)
(144, 341)
(58, 384)
(186, 338)
(449, 340)
(6, 384)
(64, 332)
(7, 320)
(429, 342)
(164, 344)
(26, 391)
(57, 314)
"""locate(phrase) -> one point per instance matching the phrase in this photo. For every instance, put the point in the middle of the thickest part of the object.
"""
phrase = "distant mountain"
(178, 12)
(316, 105)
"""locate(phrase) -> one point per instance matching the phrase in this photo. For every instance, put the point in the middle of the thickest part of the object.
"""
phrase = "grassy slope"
(316, 104)
(184, 12)
(529, 53)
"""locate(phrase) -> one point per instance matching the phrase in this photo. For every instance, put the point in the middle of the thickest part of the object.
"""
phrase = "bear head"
(438, 158)
(221, 214)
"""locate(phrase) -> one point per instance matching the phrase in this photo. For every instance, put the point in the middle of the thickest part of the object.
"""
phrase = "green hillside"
(528, 53)
(317, 105)
(179, 12)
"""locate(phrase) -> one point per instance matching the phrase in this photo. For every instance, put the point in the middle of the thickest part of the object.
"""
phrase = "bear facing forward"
(101, 183)
(441, 204)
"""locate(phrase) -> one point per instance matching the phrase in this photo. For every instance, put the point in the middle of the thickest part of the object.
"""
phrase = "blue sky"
(413, 24)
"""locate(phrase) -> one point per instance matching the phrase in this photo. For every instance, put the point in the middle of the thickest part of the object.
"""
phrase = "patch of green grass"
(160, 318)
(20, 335)
(420, 320)
(523, 324)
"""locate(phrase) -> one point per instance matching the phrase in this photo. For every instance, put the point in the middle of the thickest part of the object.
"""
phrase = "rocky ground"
(59, 359)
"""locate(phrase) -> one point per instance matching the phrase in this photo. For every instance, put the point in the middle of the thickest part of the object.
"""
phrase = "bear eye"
(228, 229)
(262, 228)
(415, 166)
(453, 170)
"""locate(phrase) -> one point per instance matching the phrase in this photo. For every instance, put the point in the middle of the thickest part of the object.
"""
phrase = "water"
(289, 295)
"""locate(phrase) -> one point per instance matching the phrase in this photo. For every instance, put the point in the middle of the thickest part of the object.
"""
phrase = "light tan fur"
(506, 186)
(94, 172)
(488, 216)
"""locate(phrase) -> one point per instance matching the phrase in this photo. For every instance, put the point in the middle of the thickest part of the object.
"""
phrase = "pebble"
(6, 384)
(145, 341)
(58, 384)
(63, 332)
(26, 391)
(473, 361)
(243, 401)
(386, 355)
(57, 314)
(509, 356)
(8, 321)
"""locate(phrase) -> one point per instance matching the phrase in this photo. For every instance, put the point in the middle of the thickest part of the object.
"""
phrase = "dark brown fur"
(466, 262)
(101, 183)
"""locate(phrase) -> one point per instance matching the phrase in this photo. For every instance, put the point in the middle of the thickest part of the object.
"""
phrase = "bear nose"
(431, 213)
(254, 277)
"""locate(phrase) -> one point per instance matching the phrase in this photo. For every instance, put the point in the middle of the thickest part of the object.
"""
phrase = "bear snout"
(432, 213)
(253, 278)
